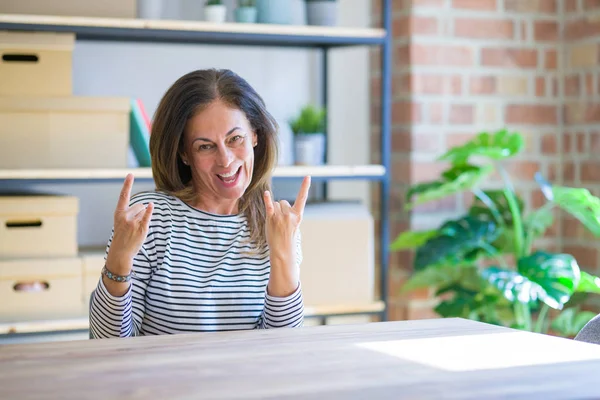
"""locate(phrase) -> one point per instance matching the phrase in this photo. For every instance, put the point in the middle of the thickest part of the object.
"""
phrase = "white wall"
(286, 78)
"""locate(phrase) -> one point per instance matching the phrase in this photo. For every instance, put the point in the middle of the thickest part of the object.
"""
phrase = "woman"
(209, 250)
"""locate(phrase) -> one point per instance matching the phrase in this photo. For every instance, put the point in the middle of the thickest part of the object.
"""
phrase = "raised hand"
(131, 226)
(283, 220)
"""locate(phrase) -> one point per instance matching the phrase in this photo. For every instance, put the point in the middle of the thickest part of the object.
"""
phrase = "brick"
(456, 84)
(540, 86)
(442, 55)
(523, 170)
(417, 311)
(436, 113)
(589, 84)
(405, 112)
(482, 84)
(590, 171)
(571, 5)
(461, 114)
(525, 30)
(512, 85)
(480, 5)
(545, 31)
(572, 228)
(479, 28)
(405, 142)
(569, 171)
(590, 5)
(572, 85)
(402, 54)
(594, 142)
(582, 113)
(549, 144)
(531, 114)
(458, 139)
(486, 113)
(551, 59)
(509, 57)
(417, 25)
(428, 84)
(401, 84)
(587, 257)
(580, 142)
(531, 6)
(426, 171)
(428, 3)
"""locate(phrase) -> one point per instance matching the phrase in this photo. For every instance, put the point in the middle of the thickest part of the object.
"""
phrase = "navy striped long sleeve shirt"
(194, 273)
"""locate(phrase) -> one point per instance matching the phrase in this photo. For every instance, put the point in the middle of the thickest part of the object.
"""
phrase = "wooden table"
(428, 359)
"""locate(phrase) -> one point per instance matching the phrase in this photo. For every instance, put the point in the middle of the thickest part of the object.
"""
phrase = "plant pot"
(150, 9)
(309, 149)
(322, 13)
(245, 15)
(216, 13)
(274, 11)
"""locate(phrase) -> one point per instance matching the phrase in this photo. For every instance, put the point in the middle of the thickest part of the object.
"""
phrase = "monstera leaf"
(571, 321)
(411, 239)
(588, 283)
(442, 276)
(488, 202)
(457, 242)
(455, 180)
(578, 202)
(538, 222)
(550, 278)
(497, 146)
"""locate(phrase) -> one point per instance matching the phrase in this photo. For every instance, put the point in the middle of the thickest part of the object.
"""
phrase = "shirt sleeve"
(112, 316)
(285, 312)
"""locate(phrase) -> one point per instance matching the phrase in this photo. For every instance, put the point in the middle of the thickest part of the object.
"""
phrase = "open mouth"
(231, 177)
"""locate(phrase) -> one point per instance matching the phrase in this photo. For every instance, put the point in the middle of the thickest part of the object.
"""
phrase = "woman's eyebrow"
(228, 133)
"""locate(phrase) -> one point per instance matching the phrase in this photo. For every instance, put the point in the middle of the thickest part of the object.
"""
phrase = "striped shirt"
(194, 273)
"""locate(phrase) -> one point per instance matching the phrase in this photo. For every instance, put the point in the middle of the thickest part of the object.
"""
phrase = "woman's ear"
(254, 139)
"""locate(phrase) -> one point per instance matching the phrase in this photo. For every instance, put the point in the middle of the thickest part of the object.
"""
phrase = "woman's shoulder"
(161, 201)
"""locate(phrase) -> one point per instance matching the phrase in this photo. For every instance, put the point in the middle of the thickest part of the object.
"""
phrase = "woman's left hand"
(283, 220)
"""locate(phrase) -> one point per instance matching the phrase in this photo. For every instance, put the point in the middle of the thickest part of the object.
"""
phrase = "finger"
(302, 196)
(123, 202)
(285, 207)
(277, 208)
(147, 216)
(268, 203)
(135, 210)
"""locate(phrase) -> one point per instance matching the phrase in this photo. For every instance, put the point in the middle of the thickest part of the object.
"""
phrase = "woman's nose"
(224, 158)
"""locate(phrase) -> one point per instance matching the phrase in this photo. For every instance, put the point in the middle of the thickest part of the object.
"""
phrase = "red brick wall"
(461, 67)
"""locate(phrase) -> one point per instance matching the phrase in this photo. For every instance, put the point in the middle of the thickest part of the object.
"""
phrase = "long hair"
(183, 100)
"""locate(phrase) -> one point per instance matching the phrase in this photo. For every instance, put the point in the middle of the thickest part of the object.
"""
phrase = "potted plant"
(309, 136)
(321, 12)
(246, 11)
(215, 11)
(274, 11)
(484, 264)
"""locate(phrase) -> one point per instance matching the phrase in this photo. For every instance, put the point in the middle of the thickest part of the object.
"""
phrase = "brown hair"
(184, 99)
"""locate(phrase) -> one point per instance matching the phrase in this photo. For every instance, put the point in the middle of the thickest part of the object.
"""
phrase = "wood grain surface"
(323, 362)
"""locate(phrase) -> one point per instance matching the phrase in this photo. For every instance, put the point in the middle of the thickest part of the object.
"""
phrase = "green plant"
(246, 3)
(214, 2)
(311, 120)
(467, 260)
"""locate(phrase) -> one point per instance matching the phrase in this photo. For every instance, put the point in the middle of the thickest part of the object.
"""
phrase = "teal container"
(246, 15)
(274, 11)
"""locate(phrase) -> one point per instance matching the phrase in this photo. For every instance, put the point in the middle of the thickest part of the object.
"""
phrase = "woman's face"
(218, 147)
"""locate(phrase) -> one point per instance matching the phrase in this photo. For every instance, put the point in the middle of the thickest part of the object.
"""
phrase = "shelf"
(82, 324)
(139, 30)
(324, 172)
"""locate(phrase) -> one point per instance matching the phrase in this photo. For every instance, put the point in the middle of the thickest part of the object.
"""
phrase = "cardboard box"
(83, 8)
(64, 132)
(36, 63)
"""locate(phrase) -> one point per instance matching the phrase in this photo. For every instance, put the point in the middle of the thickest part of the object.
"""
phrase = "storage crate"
(86, 8)
(40, 289)
(36, 63)
(338, 255)
(64, 132)
(38, 226)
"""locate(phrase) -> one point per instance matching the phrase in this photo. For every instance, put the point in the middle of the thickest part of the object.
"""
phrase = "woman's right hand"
(131, 225)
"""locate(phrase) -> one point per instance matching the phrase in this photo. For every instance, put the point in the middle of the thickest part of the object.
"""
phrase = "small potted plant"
(215, 11)
(309, 136)
(321, 12)
(246, 11)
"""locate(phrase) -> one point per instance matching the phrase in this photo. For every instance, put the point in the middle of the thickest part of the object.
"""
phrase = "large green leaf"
(571, 321)
(498, 201)
(411, 239)
(557, 274)
(581, 204)
(497, 146)
(442, 276)
(588, 283)
(514, 286)
(457, 242)
(455, 180)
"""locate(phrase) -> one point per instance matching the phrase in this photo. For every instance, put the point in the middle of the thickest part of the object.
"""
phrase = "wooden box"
(38, 226)
(64, 132)
(40, 289)
(36, 63)
(85, 8)
(338, 255)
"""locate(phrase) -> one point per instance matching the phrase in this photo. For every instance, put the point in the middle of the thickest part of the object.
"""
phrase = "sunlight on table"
(487, 351)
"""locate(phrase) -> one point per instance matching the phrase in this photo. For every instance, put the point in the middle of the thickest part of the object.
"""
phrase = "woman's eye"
(204, 147)
(236, 138)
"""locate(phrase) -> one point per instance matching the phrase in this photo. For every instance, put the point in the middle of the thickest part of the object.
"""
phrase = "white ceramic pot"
(309, 149)
(216, 13)
(321, 13)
